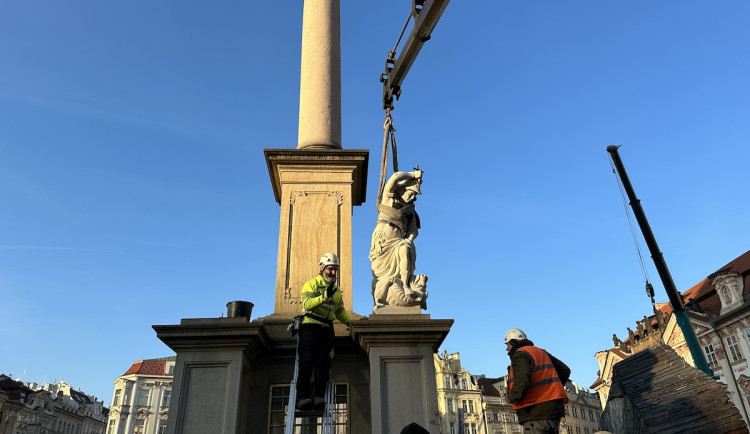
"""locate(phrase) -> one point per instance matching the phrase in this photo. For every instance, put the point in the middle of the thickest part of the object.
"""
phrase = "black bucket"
(239, 308)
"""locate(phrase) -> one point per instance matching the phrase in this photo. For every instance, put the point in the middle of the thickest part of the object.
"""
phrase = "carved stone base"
(397, 310)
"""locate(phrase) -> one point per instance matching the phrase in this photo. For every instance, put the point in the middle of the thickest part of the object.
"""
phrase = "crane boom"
(426, 14)
(675, 298)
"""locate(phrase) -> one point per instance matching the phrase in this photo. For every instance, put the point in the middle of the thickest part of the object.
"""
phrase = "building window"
(167, 397)
(450, 405)
(727, 294)
(734, 348)
(473, 428)
(711, 356)
(143, 397)
(585, 431)
(471, 406)
(453, 428)
(111, 428)
(575, 412)
(464, 406)
(138, 428)
(116, 401)
(464, 384)
(495, 416)
(279, 399)
(171, 369)
(466, 429)
(591, 415)
(447, 381)
(162, 428)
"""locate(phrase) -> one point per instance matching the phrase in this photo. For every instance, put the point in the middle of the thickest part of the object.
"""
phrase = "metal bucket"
(239, 308)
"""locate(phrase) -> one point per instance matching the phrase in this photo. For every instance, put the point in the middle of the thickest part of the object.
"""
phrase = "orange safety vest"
(545, 384)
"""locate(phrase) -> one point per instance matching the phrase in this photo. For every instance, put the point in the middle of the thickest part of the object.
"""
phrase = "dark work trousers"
(314, 349)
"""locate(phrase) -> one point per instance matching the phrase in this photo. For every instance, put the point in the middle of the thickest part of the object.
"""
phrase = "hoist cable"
(629, 216)
(392, 53)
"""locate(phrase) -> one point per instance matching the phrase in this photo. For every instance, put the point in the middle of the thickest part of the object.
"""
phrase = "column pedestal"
(316, 190)
(402, 370)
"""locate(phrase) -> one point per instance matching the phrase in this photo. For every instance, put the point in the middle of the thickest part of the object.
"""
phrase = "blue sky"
(134, 190)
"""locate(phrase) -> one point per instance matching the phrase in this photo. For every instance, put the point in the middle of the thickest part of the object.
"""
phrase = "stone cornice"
(356, 158)
(405, 330)
(213, 333)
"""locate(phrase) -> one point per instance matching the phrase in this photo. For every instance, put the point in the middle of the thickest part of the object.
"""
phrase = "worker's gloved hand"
(330, 289)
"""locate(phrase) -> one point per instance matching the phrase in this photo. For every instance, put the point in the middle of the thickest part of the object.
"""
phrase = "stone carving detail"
(297, 198)
(744, 383)
(293, 196)
(391, 292)
(392, 252)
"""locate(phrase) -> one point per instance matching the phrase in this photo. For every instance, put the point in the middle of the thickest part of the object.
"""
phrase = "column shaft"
(320, 76)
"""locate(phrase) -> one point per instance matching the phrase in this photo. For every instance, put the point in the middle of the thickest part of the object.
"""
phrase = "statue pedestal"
(212, 373)
(400, 348)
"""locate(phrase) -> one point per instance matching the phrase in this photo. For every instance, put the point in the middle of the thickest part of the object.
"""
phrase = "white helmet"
(329, 259)
(514, 334)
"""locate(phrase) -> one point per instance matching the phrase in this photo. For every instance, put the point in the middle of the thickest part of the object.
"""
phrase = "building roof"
(739, 265)
(487, 386)
(16, 390)
(148, 367)
(704, 294)
(656, 382)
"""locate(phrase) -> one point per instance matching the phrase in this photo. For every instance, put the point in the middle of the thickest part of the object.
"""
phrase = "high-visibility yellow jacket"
(545, 384)
(315, 303)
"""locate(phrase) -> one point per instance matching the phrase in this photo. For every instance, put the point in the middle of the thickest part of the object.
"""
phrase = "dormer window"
(727, 293)
(730, 288)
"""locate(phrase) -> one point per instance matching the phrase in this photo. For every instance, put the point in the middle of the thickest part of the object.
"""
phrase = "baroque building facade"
(718, 308)
(55, 408)
(460, 401)
(141, 398)
(471, 404)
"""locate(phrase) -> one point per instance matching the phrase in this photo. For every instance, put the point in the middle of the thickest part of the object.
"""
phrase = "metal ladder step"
(326, 415)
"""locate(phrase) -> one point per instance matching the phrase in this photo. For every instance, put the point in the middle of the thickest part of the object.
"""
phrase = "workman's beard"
(327, 277)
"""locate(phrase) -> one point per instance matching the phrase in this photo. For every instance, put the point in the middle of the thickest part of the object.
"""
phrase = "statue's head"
(409, 189)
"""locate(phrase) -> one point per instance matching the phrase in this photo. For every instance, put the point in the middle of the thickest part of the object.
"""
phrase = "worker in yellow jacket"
(322, 303)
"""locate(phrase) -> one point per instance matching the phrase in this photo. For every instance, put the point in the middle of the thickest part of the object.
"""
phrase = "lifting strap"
(389, 135)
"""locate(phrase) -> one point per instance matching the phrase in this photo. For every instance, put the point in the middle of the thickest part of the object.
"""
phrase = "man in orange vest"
(536, 382)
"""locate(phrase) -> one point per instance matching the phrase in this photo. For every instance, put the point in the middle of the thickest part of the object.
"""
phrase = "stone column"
(320, 76)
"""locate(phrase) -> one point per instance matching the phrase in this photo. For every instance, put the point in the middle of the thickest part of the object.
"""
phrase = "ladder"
(326, 416)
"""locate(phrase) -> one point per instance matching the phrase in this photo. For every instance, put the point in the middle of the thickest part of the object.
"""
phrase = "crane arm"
(426, 14)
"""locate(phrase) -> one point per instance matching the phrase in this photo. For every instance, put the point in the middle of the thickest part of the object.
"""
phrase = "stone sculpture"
(392, 251)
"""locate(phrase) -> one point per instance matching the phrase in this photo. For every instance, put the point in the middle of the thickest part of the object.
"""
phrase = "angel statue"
(392, 251)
